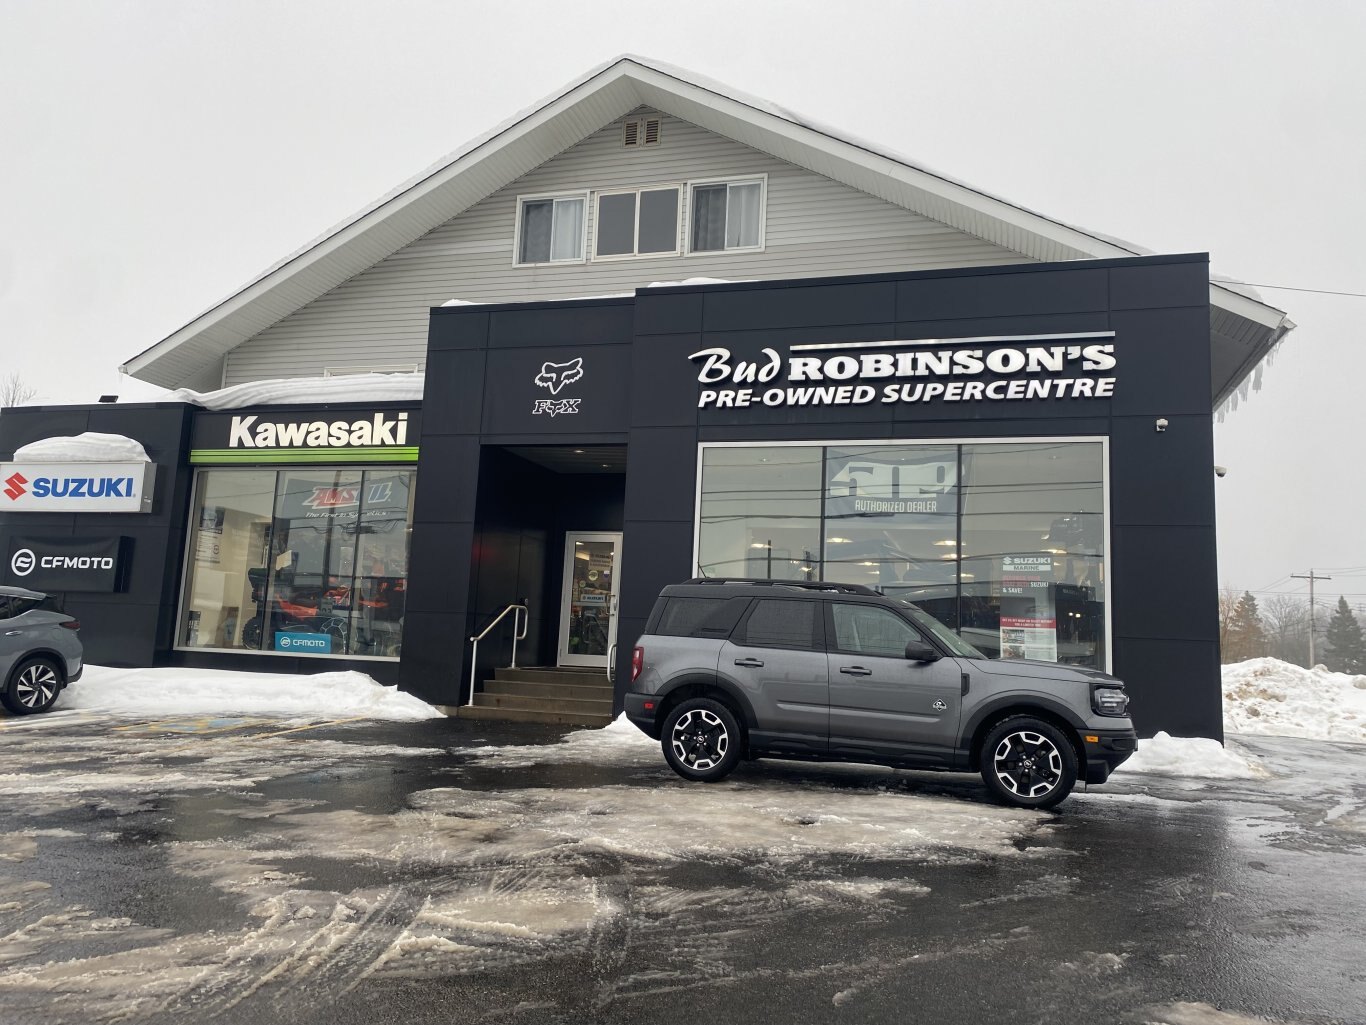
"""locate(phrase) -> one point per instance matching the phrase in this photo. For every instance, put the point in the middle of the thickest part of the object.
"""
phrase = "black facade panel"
(654, 554)
(435, 645)
(798, 305)
(457, 327)
(447, 549)
(1165, 583)
(447, 465)
(530, 390)
(663, 312)
(1157, 287)
(1173, 684)
(453, 400)
(1164, 361)
(115, 633)
(1162, 478)
(661, 473)
(985, 294)
(580, 323)
(655, 399)
(20, 426)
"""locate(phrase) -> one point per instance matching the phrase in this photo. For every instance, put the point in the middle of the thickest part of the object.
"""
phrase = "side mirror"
(919, 651)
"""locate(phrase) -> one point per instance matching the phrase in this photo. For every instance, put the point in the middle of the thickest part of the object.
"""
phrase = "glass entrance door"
(588, 606)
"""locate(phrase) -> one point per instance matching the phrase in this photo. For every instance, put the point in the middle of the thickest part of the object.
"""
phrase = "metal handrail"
(521, 615)
(611, 659)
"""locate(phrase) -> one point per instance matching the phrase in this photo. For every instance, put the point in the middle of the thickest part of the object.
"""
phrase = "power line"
(1291, 288)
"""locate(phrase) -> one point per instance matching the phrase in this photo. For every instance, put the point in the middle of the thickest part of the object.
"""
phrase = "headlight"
(1109, 701)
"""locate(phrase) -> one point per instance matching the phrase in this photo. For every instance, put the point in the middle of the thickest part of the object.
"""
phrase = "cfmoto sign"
(21, 563)
(68, 563)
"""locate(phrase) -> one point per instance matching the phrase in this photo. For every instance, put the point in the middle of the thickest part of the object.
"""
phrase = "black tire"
(702, 740)
(33, 686)
(1028, 762)
(251, 633)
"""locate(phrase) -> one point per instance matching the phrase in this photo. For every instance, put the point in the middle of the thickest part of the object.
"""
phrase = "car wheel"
(701, 740)
(1028, 762)
(33, 687)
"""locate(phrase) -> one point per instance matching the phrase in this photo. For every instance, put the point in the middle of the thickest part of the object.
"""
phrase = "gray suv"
(732, 669)
(40, 650)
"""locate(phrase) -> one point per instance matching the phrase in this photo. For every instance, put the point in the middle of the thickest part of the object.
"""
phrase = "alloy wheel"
(699, 739)
(1028, 764)
(36, 686)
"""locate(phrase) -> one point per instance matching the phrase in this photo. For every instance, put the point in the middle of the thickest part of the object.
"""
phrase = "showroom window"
(726, 215)
(1003, 543)
(298, 561)
(643, 222)
(550, 229)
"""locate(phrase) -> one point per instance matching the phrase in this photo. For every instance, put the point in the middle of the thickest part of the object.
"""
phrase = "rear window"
(18, 605)
(781, 624)
(699, 617)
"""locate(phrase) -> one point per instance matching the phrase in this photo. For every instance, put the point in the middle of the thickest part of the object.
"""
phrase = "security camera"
(1161, 424)
(1221, 471)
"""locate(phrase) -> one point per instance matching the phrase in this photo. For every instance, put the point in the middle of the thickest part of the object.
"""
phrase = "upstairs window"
(550, 229)
(726, 215)
(643, 222)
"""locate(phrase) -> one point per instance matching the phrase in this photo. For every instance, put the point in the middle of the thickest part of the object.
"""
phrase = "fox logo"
(556, 375)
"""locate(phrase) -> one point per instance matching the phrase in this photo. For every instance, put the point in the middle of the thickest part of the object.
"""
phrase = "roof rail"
(805, 585)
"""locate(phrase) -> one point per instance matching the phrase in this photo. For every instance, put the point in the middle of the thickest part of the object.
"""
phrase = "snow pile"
(1268, 696)
(617, 743)
(1190, 756)
(89, 447)
(291, 390)
(697, 281)
(142, 692)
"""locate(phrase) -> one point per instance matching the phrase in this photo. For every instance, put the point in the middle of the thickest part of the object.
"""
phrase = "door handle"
(11, 633)
(749, 663)
(856, 671)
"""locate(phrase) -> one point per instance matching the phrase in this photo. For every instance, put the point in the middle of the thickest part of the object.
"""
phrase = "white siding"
(815, 227)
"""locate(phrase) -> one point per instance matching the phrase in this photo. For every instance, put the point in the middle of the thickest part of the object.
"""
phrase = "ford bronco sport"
(732, 669)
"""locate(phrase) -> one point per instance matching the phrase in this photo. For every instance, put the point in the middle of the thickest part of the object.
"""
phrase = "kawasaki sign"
(306, 436)
(76, 487)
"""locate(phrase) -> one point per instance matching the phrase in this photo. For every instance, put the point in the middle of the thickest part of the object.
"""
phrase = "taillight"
(637, 662)
(71, 624)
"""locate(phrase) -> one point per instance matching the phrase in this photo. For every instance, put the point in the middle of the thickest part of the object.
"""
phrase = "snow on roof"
(295, 390)
(90, 447)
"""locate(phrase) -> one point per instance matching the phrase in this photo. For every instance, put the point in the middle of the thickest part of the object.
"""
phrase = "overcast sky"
(156, 156)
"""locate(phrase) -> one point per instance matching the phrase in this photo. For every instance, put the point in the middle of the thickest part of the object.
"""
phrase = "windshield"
(941, 633)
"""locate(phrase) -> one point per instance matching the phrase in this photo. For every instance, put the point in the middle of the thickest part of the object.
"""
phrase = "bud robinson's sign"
(986, 369)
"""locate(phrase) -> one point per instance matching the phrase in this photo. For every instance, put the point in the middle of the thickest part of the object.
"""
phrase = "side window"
(775, 623)
(4, 607)
(869, 630)
(700, 617)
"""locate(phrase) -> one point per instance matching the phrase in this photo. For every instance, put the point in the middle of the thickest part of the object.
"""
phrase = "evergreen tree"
(1347, 649)
(1246, 635)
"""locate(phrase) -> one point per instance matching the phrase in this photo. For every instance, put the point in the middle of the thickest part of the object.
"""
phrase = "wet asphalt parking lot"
(259, 871)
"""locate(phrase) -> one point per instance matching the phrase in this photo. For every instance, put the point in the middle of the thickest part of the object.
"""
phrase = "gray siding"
(815, 226)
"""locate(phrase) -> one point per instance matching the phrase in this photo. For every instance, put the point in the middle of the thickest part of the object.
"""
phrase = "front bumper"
(1106, 750)
(644, 718)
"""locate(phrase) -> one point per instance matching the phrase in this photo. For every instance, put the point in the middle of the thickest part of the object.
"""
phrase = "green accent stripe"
(391, 454)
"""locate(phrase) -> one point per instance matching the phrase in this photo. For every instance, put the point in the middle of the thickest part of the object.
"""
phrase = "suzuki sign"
(76, 487)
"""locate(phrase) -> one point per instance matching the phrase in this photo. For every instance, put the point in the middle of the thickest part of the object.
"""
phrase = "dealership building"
(651, 330)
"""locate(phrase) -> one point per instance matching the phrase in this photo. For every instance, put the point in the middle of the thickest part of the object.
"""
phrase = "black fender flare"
(1018, 704)
(710, 681)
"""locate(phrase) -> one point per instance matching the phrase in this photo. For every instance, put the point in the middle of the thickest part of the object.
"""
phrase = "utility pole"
(1311, 577)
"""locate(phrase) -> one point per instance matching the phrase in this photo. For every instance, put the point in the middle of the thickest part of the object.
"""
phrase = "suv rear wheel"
(33, 687)
(1028, 762)
(701, 740)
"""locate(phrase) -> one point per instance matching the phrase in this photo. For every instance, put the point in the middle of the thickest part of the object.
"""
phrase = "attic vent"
(640, 133)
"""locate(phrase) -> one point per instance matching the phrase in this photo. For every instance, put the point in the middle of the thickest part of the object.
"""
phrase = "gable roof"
(1243, 328)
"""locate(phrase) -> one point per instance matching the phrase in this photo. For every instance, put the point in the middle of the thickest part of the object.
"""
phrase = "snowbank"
(1190, 756)
(616, 743)
(286, 391)
(89, 447)
(1271, 697)
(144, 692)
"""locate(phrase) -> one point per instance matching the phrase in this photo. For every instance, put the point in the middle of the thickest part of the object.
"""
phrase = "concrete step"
(589, 691)
(531, 715)
(572, 677)
(542, 704)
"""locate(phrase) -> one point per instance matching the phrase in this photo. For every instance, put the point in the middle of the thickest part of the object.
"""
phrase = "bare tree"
(1285, 618)
(1228, 601)
(14, 391)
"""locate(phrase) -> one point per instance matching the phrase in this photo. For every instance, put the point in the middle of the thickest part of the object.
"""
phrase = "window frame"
(637, 255)
(832, 629)
(530, 197)
(749, 179)
(187, 557)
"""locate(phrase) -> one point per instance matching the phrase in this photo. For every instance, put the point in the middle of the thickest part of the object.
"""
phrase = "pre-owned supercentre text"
(950, 373)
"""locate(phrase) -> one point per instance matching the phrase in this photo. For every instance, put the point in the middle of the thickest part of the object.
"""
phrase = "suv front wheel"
(701, 740)
(1028, 762)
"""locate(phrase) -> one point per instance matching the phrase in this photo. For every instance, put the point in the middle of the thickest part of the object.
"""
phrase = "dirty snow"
(177, 691)
(400, 387)
(1191, 756)
(1270, 697)
(90, 447)
(619, 743)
